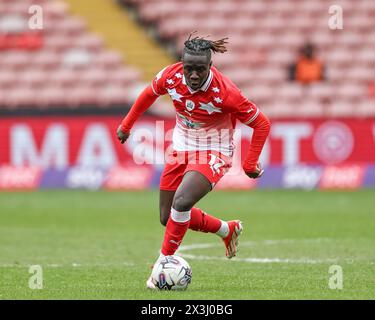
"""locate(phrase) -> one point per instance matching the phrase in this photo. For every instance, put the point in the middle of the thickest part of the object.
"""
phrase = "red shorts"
(212, 164)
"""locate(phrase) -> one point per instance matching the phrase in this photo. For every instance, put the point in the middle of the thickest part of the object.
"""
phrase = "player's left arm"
(249, 114)
(261, 125)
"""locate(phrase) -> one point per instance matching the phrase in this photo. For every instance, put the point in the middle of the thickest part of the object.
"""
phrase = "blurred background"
(70, 70)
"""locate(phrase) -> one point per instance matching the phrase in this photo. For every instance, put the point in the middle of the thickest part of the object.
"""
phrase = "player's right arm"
(141, 104)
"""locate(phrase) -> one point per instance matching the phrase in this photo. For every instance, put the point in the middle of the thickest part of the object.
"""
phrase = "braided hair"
(203, 46)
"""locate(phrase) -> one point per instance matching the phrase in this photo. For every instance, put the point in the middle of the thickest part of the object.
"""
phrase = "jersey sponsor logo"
(189, 123)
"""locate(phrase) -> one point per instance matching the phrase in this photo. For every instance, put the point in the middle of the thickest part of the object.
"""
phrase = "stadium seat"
(19, 97)
(108, 60)
(14, 59)
(366, 108)
(124, 76)
(50, 96)
(81, 95)
(63, 77)
(342, 108)
(46, 59)
(32, 77)
(111, 95)
(289, 91)
(8, 78)
(77, 57)
(321, 91)
(93, 77)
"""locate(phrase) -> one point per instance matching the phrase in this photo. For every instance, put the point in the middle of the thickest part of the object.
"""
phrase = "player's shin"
(177, 225)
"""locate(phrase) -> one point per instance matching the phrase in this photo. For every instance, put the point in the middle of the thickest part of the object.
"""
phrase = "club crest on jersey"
(190, 105)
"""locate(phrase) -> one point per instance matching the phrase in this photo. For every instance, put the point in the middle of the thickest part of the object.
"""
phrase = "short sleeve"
(158, 83)
(243, 109)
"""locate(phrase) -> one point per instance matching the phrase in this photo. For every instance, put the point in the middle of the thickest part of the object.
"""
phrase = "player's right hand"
(121, 135)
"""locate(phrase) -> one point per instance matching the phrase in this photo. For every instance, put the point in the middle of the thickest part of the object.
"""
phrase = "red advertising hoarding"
(60, 142)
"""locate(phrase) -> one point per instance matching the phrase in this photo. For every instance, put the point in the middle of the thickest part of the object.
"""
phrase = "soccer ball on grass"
(171, 273)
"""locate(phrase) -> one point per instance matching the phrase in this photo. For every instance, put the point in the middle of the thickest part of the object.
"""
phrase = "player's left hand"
(257, 173)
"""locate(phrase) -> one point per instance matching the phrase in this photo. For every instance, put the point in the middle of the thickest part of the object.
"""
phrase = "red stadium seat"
(366, 108)
(94, 77)
(289, 91)
(8, 79)
(321, 90)
(82, 95)
(113, 95)
(77, 57)
(361, 74)
(15, 59)
(19, 97)
(70, 26)
(125, 76)
(351, 91)
(342, 108)
(109, 59)
(258, 92)
(50, 96)
(58, 43)
(46, 59)
(63, 77)
(90, 42)
(310, 109)
(32, 77)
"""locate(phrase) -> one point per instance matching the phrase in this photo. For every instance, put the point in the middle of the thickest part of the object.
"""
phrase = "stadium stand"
(63, 66)
(67, 66)
(264, 37)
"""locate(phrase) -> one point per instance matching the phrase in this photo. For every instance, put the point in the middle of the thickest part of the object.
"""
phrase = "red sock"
(177, 225)
(201, 221)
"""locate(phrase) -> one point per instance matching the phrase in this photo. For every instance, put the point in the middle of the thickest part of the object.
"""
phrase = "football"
(172, 273)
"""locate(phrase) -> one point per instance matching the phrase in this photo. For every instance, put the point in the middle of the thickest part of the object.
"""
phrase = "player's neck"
(203, 84)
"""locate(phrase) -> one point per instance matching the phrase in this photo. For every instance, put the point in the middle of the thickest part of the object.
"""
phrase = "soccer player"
(207, 106)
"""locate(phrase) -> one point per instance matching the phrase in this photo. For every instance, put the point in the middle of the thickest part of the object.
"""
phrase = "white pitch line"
(74, 264)
(185, 248)
(257, 260)
(254, 243)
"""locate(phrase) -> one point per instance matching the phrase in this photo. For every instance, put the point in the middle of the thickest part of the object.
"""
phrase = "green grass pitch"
(100, 245)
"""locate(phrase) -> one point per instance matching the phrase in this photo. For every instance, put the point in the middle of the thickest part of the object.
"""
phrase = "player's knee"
(182, 203)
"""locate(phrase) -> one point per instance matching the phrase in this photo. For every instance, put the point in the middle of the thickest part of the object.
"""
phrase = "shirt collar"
(204, 86)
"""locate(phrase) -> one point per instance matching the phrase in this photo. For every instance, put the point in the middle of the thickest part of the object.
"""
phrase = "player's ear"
(182, 56)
